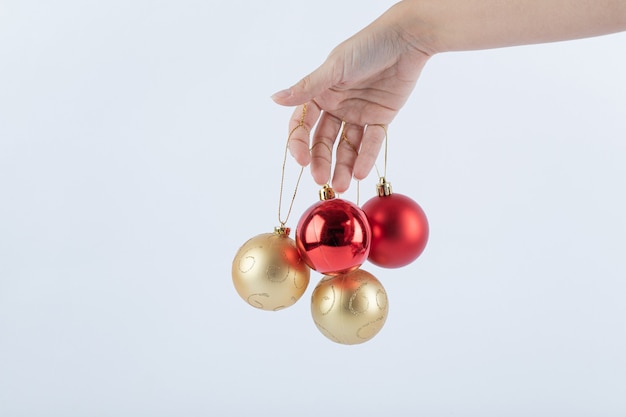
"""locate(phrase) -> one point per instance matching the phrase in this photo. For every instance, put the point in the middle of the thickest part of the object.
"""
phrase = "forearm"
(461, 25)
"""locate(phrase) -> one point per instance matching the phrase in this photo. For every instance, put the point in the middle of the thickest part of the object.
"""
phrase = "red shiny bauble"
(399, 230)
(333, 236)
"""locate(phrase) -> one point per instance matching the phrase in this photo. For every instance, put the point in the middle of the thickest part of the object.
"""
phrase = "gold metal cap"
(327, 193)
(282, 231)
(383, 187)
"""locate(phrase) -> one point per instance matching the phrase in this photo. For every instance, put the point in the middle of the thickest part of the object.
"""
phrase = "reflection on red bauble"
(333, 236)
(399, 230)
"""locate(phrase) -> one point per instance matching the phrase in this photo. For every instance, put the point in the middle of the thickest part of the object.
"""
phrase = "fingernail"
(282, 94)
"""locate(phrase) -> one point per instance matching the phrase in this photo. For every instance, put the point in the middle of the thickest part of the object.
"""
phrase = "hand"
(363, 83)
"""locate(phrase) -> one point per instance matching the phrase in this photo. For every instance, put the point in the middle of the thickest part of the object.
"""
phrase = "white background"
(139, 149)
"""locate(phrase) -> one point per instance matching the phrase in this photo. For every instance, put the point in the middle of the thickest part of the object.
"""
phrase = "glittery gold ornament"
(349, 308)
(268, 272)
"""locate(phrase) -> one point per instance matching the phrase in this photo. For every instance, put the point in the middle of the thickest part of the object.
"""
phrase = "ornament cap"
(327, 193)
(383, 188)
(282, 231)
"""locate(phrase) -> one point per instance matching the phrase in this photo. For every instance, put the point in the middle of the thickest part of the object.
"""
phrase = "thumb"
(307, 88)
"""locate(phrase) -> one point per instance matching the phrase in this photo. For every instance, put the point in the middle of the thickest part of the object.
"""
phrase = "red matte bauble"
(399, 230)
(333, 236)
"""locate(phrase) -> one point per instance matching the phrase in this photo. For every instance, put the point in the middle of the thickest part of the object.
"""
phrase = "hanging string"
(282, 177)
(386, 146)
(344, 138)
(330, 151)
(385, 154)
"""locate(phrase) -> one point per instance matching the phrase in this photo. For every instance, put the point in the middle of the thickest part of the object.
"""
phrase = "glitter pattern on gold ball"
(349, 308)
(268, 272)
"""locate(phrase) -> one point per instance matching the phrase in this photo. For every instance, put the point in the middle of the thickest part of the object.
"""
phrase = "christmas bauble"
(349, 308)
(399, 228)
(268, 271)
(333, 235)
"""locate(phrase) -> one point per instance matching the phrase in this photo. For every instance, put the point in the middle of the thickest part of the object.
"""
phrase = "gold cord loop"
(282, 178)
(330, 151)
(344, 138)
(385, 155)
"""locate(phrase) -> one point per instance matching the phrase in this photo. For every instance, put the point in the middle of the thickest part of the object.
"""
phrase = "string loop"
(282, 177)
(385, 154)
(344, 138)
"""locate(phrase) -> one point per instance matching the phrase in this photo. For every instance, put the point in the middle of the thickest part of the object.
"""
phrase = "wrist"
(412, 21)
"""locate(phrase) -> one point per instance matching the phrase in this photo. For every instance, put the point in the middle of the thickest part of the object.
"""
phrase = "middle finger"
(321, 148)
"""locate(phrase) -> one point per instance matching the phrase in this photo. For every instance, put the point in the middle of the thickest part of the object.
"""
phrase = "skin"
(366, 79)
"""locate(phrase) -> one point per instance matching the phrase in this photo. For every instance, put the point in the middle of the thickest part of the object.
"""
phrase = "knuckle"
(305, 83)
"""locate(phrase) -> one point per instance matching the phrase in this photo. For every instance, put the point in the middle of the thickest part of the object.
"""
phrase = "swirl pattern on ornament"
(254, 301)
(369, 330)
(328, 301)
(358, 303)
(246, 263)
(381, 299)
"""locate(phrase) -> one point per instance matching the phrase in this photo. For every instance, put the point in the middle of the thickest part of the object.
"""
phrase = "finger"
(300, 125)
(373, 138)
(321, 150)
(307, 88)
(347, 152)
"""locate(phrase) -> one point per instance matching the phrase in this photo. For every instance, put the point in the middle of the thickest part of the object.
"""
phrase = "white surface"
(139, 149)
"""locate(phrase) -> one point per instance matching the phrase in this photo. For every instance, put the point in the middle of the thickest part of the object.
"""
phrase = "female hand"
(361, 87)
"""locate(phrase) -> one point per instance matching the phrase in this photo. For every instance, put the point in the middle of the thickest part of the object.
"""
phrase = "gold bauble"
(349, 308)
(268, 272)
